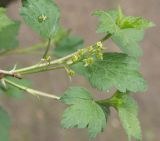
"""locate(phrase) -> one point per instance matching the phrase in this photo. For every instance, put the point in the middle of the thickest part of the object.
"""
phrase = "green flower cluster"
(87, 56)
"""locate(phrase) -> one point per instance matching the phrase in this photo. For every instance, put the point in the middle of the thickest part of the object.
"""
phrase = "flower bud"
(99, 44)
(90, 49)
(81, 52)
(71, 72)
(42, 18)
(74, 58)
(88, 61)
(99, 56)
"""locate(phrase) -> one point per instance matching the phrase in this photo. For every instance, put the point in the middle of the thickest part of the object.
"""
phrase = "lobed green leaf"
(115, 70)
(128, 112)
(126, 31)
(83, 112)
(136, 23)
(42, 15)
(128, 41)
(107, 21)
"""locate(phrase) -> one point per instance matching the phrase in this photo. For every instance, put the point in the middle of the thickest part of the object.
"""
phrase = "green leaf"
(115, 70)
(136, 23)
(11, 91)
(83, 112)
(126, 31)
(67, 45)
(8, 37)
(8, 32)
(4, 20)
(4, 125)
(128, 41)
(128, 112)
(107, 21)
(114, 20)
(42, 15)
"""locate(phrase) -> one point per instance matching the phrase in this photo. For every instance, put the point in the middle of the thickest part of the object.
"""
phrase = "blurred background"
(39, 119)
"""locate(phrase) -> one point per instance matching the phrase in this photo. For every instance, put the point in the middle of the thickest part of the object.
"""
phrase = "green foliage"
(83, 112)
(135, 22)
(67, 45)
(5, 21)
(128, 112)
(115, 70)
(126, 31)
(42, 15)
(107, 21)
(13, 91)
(8, 40)
(127, 40)
(8, 32)
(103, 70)
(4, 125)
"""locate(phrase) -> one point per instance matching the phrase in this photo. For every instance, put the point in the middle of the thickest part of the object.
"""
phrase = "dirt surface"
(39, 119)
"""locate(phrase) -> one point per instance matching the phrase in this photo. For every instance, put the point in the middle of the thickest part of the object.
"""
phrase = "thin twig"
(4, 73)
(38, 67)
(52, 64)
(31, 91)
(47, 49)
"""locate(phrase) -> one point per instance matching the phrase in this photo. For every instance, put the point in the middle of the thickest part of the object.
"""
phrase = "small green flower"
(75, 58)
(42, 18)
(99, 56)
(88, 61)
(71, 73)
(81, 52)
(90, 49)
(99, 44)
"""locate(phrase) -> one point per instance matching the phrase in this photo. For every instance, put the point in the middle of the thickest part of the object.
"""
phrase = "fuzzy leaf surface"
(128, 41)
(126, 31)
(107, 21)
(136, 23)
(42, 15)
(128, 114)
(116, 70)
(83, 112)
